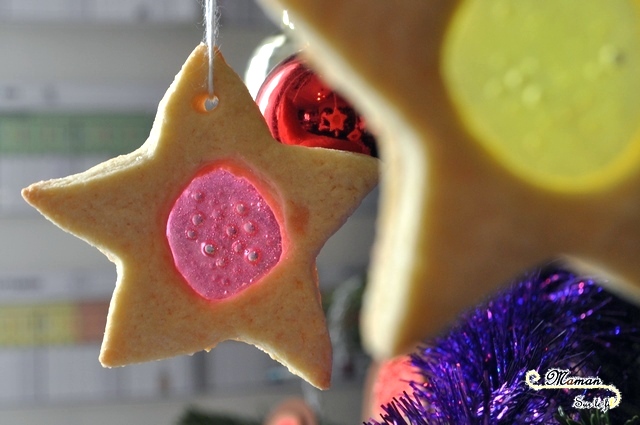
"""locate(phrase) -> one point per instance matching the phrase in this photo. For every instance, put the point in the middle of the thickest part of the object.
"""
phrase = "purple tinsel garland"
(551, 319)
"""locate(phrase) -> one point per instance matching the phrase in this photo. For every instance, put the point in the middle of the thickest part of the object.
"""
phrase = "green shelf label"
(112, 134)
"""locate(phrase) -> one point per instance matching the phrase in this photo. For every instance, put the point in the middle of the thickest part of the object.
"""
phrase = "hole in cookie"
(206, 103)
(210, 103)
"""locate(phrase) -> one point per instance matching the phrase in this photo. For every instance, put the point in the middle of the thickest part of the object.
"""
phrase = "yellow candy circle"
(551, 88)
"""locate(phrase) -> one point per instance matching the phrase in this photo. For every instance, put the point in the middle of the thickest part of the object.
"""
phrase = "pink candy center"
(222, 234)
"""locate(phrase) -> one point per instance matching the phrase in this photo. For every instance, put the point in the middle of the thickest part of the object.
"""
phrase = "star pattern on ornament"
(123, 207)
(332, 121)
(455, 221)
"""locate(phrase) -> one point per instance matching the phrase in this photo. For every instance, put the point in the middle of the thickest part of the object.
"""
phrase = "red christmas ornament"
(300, 109)
(391, 378)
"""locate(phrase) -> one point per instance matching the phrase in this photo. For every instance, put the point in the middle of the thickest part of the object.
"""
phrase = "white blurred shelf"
(51, 286)
(244, 13)
(39, 146)
(78, 96)
(54, 375)
(99, 11)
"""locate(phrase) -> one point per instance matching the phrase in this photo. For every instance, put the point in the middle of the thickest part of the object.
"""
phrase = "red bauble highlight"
(223, 235)
(392, 379)
(300, 109)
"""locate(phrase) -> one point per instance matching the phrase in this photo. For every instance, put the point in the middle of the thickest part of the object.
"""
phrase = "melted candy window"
(222, 234)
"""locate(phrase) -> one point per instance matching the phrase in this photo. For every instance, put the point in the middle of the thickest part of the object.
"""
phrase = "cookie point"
(30, 193)
(105, 360)
(26, 193)
(322, 381)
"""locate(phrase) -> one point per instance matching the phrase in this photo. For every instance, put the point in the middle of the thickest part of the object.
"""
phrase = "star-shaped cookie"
(508, 134)
(214, 228)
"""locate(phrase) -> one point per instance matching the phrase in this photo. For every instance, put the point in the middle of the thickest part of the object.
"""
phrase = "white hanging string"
(210, 39)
